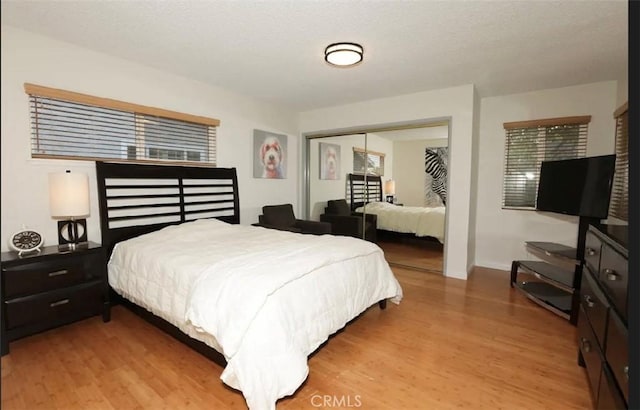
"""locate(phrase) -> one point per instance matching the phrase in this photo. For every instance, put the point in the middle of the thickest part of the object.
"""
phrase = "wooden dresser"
(602, 322)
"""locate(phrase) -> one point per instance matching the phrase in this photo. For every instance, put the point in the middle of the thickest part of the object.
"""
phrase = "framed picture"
(329, 161)
(269, 155)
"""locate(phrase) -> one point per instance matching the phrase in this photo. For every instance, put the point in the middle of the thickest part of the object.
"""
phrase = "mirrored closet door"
(331, 161)
(411, 222)
(401, 175)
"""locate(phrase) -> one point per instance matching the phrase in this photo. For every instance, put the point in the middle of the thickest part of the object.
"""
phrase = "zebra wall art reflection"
(435, 167)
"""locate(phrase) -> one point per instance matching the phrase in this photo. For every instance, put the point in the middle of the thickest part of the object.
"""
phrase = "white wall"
(455, 103)
(623, 92)
(27, 57)
(500, 234)
(408, 170)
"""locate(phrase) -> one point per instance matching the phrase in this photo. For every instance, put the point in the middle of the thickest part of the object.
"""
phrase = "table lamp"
(390, 190)
(69, 201)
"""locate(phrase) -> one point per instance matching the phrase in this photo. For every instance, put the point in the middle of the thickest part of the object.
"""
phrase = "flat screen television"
(577, 186)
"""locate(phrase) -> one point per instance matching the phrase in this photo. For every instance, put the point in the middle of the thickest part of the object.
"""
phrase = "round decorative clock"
(26, 240)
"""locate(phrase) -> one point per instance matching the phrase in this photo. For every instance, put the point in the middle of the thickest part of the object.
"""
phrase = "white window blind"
(619, 207)
(528, 143)
(77, 126)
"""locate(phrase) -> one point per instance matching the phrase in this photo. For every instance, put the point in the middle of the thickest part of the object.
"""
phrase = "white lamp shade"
(68, 195)
(390, 187)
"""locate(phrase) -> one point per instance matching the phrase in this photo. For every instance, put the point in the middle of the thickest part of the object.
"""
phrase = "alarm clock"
(26, 240)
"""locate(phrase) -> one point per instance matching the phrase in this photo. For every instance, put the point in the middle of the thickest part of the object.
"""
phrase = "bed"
(257, 301)
(422, 222)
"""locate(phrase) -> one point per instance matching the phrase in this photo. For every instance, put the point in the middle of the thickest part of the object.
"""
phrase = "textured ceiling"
(273, 50)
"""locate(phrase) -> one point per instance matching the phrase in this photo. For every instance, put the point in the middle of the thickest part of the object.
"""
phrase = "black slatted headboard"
(362, 191)
(136, 199)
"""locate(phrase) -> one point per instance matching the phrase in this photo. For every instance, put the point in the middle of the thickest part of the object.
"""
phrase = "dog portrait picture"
(269, 155)
(329, 161)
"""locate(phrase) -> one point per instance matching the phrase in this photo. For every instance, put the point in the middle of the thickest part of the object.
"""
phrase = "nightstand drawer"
(37, 277)
(77, 301)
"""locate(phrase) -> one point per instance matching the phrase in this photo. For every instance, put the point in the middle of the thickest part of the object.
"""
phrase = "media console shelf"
(556, 282)
(551, 284)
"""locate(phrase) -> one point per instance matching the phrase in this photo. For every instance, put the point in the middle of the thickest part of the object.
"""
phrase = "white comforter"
(266, 299)
(421, 221)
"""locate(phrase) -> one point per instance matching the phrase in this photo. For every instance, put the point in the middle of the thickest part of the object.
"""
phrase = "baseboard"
(497, 266)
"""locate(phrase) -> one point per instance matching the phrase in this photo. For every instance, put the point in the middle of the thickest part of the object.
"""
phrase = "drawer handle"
(586, 346)
(58, 273)
(591, 252)
(588, 300)
(611, 274)
(60, 302)
(626, 372)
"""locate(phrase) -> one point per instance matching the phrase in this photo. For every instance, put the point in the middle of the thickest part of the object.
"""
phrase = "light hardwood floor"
(449, 344)
(417, 254)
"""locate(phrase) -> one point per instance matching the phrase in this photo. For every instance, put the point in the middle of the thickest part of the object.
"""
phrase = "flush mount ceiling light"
(343, 54)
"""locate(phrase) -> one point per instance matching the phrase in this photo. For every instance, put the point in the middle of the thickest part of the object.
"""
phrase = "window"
(374, 163)
(528, 143)
(77, 126)
(619, 207)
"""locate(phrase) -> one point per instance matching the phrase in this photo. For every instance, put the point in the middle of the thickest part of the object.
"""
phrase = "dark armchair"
(281, 217)
(347, 223)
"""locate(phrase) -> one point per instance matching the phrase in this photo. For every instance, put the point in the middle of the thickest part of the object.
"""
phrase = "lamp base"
(72, 247)
(72, 232)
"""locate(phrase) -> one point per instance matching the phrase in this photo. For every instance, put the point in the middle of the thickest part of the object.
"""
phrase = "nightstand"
(43, 290)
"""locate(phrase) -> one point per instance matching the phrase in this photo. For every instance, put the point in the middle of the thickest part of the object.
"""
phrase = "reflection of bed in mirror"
(418, 221)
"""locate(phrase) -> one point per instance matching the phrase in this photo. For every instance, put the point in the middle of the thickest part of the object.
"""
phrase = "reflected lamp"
(390, 190)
